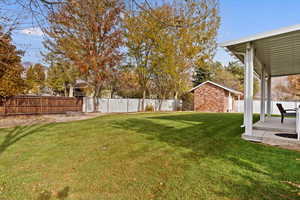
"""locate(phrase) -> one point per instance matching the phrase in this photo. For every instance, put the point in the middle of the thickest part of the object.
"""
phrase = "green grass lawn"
(144, 156)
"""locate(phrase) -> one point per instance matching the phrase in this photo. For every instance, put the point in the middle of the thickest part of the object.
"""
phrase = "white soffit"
(278, 50)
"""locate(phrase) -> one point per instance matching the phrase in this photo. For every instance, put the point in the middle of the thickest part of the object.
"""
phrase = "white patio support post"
(248, 91)
(262, 94)
(269, 98)
(244, 105)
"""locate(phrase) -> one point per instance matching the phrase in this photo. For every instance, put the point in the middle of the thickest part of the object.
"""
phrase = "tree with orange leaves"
(11, 82)
(294, 86)
(88, 33)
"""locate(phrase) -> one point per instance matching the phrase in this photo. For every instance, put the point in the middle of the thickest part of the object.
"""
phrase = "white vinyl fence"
(274, 109)
(129, 105)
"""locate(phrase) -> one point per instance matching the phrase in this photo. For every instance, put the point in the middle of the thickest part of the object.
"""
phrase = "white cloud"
(32, 31)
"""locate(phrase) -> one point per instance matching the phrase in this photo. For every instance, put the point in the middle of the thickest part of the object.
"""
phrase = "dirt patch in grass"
(291, 147)
(25, 120)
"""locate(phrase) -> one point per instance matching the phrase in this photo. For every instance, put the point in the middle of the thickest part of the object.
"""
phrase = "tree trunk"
(176, 101)
(112, 94)
(143, 100)
(65, 90)
(95, 103)
(97, 90)
(176, 95)
(160, 102)
(71, 91)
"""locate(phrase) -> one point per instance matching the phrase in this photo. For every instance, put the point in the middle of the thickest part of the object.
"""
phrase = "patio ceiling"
(278, 50)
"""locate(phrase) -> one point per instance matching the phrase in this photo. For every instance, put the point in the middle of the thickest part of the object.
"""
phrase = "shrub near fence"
(39, 105)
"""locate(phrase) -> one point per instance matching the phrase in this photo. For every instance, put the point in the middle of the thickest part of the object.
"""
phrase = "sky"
(239, 18)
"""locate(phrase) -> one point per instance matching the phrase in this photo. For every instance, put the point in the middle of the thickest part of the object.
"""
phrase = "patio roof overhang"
(278, 51)
(270, 54)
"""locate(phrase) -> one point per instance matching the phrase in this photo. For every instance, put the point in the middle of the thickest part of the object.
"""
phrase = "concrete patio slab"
(272, 132)
(274, 124)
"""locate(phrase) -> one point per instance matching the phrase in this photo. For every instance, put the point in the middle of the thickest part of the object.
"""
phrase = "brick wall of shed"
(210, 98)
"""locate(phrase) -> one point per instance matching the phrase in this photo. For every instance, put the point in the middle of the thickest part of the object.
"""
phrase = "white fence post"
(127, 105)
(107, 105)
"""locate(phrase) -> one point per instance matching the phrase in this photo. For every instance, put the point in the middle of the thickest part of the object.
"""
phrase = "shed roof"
(277, 50)
(218, 85)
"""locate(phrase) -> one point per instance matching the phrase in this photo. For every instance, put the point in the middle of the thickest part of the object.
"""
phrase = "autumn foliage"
(35, 79)
(11, 82)
(294, 86)
(167, 42)
(95, 40)
(88, 34)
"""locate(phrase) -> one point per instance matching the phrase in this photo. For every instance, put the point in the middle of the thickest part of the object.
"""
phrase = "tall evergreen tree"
(201, 75)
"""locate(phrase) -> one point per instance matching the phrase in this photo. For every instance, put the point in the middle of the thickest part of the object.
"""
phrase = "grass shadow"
(18, 133)
(205, 134)
(216, 139)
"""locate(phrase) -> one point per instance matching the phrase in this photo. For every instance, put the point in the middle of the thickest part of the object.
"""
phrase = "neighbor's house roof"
(277, 50)
(218, 85)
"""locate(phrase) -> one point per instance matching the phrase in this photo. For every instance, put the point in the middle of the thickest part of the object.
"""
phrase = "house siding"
(210, 98)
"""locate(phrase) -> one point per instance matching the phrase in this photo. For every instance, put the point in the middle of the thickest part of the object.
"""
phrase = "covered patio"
(272, 132)
(267, 55)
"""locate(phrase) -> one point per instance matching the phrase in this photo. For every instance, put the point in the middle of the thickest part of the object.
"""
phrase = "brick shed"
(212, 97)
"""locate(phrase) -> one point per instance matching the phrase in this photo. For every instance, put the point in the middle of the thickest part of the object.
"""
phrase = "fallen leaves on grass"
(292, 184)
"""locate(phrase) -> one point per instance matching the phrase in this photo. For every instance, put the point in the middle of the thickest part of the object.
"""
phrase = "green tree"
(231, 75)
(237, 69)
(62, 74)
(226, 78)
(201, 75)
(35, 79)
(55, 80)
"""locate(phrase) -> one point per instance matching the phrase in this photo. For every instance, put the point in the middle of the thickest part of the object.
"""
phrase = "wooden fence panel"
(39, 105)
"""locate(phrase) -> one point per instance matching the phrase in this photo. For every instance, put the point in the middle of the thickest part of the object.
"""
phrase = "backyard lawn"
(144, 156)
